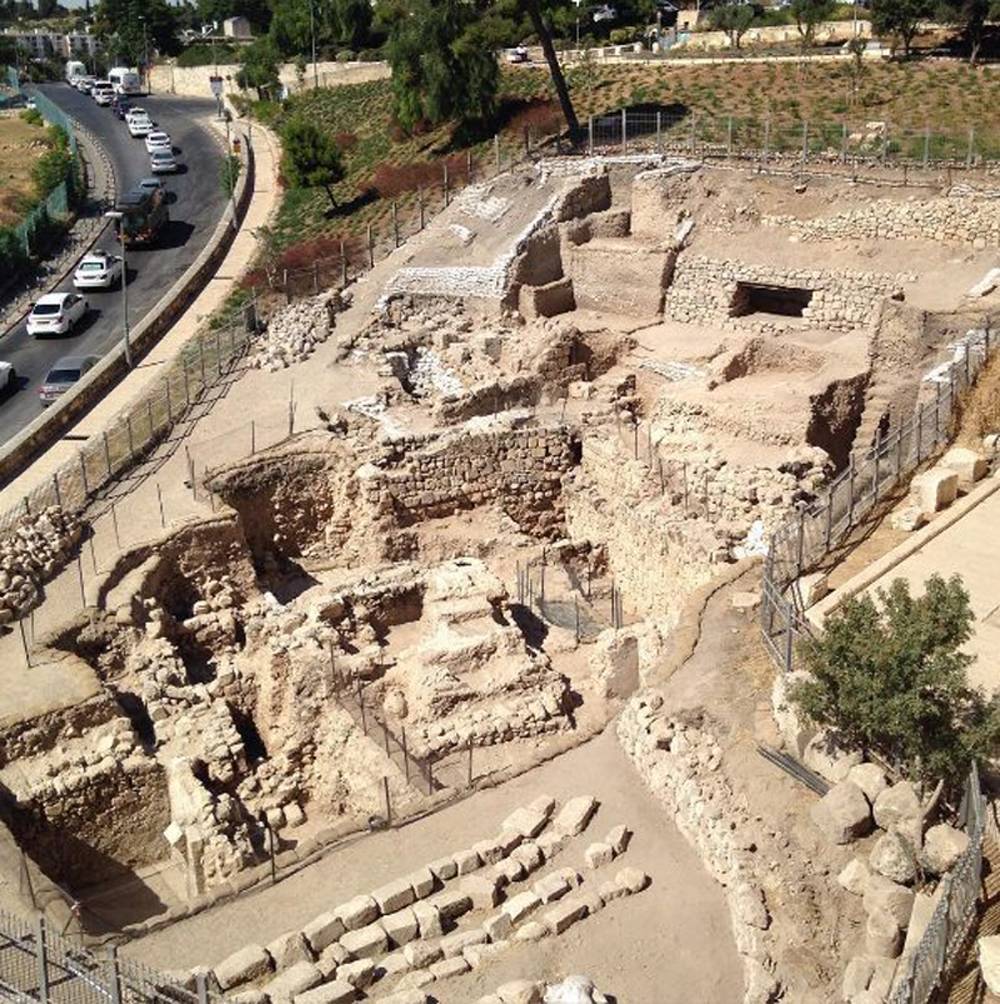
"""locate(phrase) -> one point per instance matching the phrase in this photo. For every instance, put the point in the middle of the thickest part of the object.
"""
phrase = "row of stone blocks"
(412, 907)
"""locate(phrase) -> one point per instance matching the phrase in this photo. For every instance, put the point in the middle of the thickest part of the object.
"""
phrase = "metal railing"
(40, 966)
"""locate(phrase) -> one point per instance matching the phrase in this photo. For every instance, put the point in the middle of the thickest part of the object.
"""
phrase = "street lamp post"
(312, 30)
(119, 218)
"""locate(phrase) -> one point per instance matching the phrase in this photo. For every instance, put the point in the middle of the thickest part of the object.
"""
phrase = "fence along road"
(195, 211)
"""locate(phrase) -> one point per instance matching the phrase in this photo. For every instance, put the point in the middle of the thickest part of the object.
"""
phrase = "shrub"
(542, 117)
(391, 180)
(346, 56)
(623, 36)
(345, 141)
(229, 173)
(12, 256)
(208, 55)
(370, 55)
(32, 116)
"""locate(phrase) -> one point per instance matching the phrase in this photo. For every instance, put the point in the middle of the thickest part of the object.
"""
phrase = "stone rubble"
(294, 331)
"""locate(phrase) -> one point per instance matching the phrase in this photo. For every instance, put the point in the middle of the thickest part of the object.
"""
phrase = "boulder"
(870, 778)
(898, 808)
(934, 490)
(854, 877)
(249, 963)
(574, 990)
(884, 895)
(943, 846)
(857, 976)
(988, 949)
(520, 992)
(969, 465)
(882, 935)
(827, 757)
(893, 857)
(842, 814)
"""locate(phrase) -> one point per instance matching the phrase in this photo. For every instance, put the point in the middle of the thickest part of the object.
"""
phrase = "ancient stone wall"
(953, 220)
(621, 276)
(703, 292)
(426, 477)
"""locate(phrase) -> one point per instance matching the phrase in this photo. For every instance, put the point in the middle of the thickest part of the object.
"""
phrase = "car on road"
(121, 106)
(159, 140)
(8, 379)
(139, 123)
(66, 372)
(162, 162)
(56, 314)
(98, 270)
(83, 84)
(152, 185)
(102, 92)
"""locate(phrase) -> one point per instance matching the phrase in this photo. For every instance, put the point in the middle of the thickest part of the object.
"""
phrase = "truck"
(75, 69)
(144, 214)
(125, 80)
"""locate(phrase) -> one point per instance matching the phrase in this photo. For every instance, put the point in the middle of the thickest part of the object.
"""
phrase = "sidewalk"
(263, 204)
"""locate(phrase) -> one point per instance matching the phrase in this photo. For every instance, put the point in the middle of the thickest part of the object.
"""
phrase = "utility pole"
(312, 29)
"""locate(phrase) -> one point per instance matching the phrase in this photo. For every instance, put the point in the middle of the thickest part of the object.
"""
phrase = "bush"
(207, 55)
(229, 173)
(346, 56)
(370, 55)
(542, 117)
(32, 116)
(391, 180)
(624, 36)
(12, 256)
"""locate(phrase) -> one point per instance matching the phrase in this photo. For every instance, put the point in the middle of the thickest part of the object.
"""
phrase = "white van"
(125, 80)
(74, 70)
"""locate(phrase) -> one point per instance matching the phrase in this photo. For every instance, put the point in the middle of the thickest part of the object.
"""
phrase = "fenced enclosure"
(39, 965)
(765, 139)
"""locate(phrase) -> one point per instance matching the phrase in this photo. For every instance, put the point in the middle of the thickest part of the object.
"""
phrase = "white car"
(98, 270)
(102, 95)
(139, 123)
(83, 84)
(158, 140)
(162, 162)
(57, 314)
(8, 378)
(517, 55)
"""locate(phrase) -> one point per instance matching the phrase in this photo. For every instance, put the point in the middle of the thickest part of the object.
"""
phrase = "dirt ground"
(671, 943)
(17, 157)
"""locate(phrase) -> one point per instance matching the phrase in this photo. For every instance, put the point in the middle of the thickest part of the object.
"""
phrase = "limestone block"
(518, 907)
(943, 846)
(401, 926)
(574, 816)
(490, 850)
(898, 808)
(842, 814)
(854, 877)
(253, 996)
(545, 804)
(508, 841)
(969, 465)
(534, 930)
(428, 918)
(521, 992)
(394, 896)
(598, 854)
(406, 997)
(452, 944)
(870, 778)
(498, 926)
(295, 980)
(632, 880)
(392, 964)
(591, 899)
(366, 942)
(420, 954)
(893, 857)
(750, 906)
(934, 490)
(882, 935)
(529, 856)
(552, 887)
(527, 822)
(564, 914)
(249, 963)
(813, 587)
(484, 892)
(857, 975)
(924, 905)
(882, 894)
(611, 890)
(335, 992)
(988, 949)
(360, 973)
(357, 912)
(619, 839)
(332, 956)
(447, 968)
(444, 869)
(323, 931)
(288, 949)
(507, 871)
(826, 756)
(451, 903)
(907, 518)
(551, 843)
(422, 882)
(476, 955)
(418, 978)
(467, 861)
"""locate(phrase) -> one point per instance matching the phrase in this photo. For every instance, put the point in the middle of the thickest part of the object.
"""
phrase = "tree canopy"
(809, 14)
(889, 676)
(734, 19)
(970, 16)
(259, 67)
(900, 19)
(310, 158)
(121, 23)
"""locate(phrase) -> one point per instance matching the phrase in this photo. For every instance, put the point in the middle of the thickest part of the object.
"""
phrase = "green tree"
(441, 67)
(127, 37)
(890, 677)
(257, 12)
(900, 19)
(310, 158)
(734, 19)
(808, 15)
(259, 67)
(970, 16)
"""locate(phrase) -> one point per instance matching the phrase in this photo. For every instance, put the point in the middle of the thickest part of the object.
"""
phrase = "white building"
(237, 27)
(47, 44)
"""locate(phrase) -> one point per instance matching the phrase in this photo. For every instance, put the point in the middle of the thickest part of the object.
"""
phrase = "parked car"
(8, 379)
(517, 55)
(138, 122)
(98, 270)
(152, 185)
(162, 162)
(158, 140)
(66, 372)
(57, 314)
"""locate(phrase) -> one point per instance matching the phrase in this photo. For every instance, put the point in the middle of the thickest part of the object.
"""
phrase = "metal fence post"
(850, 493)
(201, 987)
(789, 642)
(729, 138)
(624, 130)
(659, 132)
(843, 144)
(767, 138)
(590, 136)
(805, 140)
(927, 146)
(970, 154)
(42, 959)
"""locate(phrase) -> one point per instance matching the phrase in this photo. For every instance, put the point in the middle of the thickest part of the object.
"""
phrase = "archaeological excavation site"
(456, 694)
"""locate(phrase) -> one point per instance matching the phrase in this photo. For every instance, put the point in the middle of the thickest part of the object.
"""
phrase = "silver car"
(66, 372)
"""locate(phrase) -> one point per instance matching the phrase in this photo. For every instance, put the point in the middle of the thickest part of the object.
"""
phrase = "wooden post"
(107, 451)
(371, 247)
(624, 130)
(970, 153)
(420, 205)
(159, 498)
(114, 520)
(850, 493)
(468, 166)
(253, 437)
(83, 473)
(447, 190)
(805, 140)
(170, 410)
(55, 488)
(385, 737)
(927, 146)
(388, 801)
(343, 264)
(395, 224)
(24, 645)
(496, 152)
(131, 441)
(470, 761)
(406, 757)
(361, 705)
(659, 131)
(843, 144)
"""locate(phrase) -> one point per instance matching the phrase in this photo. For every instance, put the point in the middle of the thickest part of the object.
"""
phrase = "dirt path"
(671, 943)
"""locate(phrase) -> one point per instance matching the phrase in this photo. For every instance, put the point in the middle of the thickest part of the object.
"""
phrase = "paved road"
(198, 204)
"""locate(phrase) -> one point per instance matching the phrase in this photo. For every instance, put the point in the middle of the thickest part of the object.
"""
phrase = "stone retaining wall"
(703, 292)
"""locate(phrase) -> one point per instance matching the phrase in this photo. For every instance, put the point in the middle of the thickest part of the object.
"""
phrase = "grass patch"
(21, 145)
